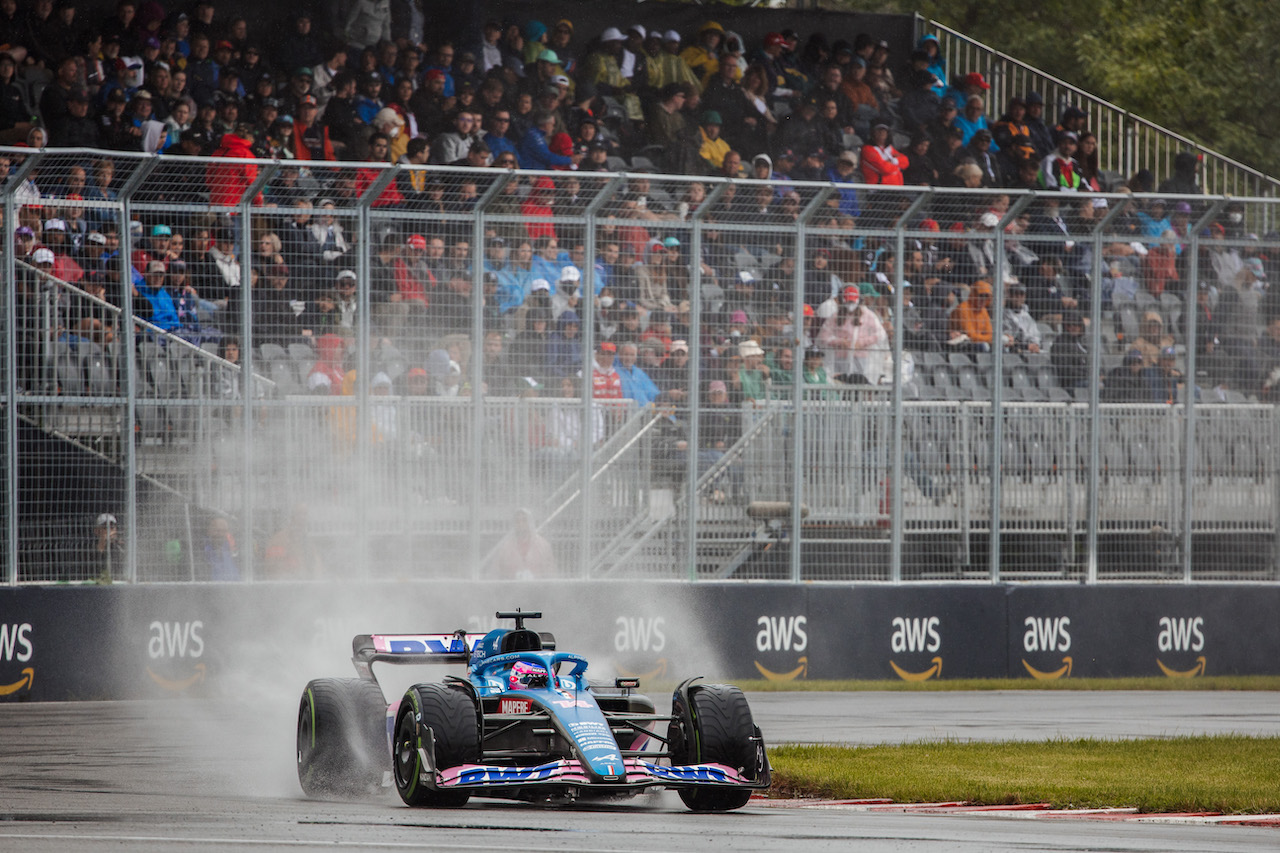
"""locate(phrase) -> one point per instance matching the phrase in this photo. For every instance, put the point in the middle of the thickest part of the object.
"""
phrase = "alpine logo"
(514, 706)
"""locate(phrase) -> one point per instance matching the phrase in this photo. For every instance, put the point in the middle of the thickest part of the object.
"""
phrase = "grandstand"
(816, 365)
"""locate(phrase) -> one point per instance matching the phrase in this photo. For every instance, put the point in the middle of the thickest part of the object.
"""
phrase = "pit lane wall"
(68, 643)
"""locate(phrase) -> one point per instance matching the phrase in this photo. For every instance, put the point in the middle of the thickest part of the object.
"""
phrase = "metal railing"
(1127, 142)
(460, 439)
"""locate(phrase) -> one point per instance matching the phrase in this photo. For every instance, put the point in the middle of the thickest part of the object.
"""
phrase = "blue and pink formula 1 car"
(525, 724)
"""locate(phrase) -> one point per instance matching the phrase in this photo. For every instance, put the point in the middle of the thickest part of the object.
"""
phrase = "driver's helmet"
(525, 675)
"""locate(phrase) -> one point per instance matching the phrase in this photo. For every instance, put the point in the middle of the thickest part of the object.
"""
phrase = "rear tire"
(451, 716)
(342, 740)
(723, 732)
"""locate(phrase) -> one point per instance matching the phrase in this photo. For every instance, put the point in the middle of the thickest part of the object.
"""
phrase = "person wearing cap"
(1125, 382)
(1041, 135)
(602, 74)
(664, 63)
(1070, 352)
(606, 382)
(881, 162)
(844, 173)
(1021, 334)
(703, 56)
(1059, 170)
(159, 307)
(1162, 378)
(1013, 134)
(979, 150)
(104, 556)
(714, 146)
(855, 342)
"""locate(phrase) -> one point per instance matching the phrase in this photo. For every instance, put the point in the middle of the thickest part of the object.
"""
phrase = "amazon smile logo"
(1198, 669)
(801, 671)
(660, 671)
(1063, 671)
(934, 670)
(178, 684)
(28, 679)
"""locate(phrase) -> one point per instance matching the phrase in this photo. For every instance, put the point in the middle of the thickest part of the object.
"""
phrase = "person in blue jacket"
(534, 151)
(151, 288)
(636, 384)
(937, 62)
(565, 350)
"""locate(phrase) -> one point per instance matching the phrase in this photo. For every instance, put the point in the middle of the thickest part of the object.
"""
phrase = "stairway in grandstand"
(73, 430)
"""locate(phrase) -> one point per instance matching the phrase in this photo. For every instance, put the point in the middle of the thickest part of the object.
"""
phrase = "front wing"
(637, 775)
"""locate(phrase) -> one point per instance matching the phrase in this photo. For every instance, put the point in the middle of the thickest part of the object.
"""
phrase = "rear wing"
(368, 649)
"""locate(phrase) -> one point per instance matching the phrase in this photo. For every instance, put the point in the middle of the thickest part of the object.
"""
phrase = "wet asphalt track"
(190, 776)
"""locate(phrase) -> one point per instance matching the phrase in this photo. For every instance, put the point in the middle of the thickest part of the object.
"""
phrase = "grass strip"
(1221, 773)
(1216, 682)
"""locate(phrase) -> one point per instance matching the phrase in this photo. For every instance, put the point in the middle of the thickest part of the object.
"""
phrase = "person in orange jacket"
(881, 162)
(972, 318)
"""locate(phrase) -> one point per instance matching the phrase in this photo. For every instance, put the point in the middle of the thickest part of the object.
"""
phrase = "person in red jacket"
(881, 163)
(606, 382)
(229, 181)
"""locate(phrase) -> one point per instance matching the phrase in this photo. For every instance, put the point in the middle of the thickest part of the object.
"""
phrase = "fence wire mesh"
(500, 373)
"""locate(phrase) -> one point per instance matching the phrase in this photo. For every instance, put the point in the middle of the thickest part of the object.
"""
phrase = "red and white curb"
(1024, 811)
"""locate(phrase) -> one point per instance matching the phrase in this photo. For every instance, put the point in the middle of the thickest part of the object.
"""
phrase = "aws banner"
(62, 643)
(1177, 632)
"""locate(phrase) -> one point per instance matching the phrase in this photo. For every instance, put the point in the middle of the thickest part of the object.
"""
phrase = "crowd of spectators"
(527, 94)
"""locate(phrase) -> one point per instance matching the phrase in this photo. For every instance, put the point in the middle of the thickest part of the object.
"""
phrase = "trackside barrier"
(233, 445)
(158, 641)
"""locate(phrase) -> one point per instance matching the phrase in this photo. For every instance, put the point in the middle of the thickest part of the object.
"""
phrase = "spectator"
(1151, 338)
(219, 552)
(1269, 357)
(665, 64)
(534, 150)
(854, 339)
(718, 430)
(523, 554)
(636, 384)
(1125, 383)
(704, 57)
(714, 147)
(1162, 378)
(973, 119)
(1041, 136)
(606, 383)
(159, 308)
(972, 319)
(105, 558)
(1070, 353)
(1059, 170)
(753, 375)
(881, 163)
(1020, 330)
(565, 349)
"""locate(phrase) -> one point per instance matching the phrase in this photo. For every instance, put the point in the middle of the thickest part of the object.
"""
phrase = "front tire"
(342, 741)
(451, 716)
(723, 733)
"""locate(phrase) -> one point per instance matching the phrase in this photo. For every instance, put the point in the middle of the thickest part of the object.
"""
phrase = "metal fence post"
(10, 301)
(129, 344)
(1095, 397)
(1190, 389)
(695, 384)
(899, 415)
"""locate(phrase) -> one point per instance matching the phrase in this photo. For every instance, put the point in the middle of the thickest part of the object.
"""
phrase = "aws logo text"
(1047, 634)
(782, 634)
(640, 634)
(916, 635)
(1181, 635)
(175, 640)
(15, 642)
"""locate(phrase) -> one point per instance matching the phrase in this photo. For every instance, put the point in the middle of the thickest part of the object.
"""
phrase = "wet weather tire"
(451, 716)
(723, 734)
(342, 741)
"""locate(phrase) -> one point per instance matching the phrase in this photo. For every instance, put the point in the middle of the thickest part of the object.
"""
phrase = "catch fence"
(440, 418)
